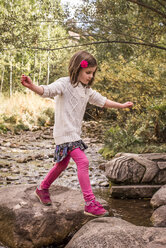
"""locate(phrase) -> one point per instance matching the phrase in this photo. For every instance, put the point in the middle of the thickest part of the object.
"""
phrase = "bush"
(118, 140)
(20, 127)
(3, 128)
(140, 133)
(50, 113)
(10, 119)
(41, 120)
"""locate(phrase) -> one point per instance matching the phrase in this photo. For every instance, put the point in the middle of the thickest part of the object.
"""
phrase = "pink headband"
(84, 64)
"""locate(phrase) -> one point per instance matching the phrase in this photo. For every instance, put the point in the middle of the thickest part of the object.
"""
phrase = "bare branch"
(148, 7)
(100, 42)
(164, 6)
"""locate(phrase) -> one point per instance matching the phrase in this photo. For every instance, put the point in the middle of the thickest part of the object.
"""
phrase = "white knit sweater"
(70, 105)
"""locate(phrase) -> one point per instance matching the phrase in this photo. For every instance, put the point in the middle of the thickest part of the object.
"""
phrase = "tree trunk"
(40, 65)
(22, 65)
(48, 58)
(2, 79)
(48, 68)
(34, 67)
(11, 76)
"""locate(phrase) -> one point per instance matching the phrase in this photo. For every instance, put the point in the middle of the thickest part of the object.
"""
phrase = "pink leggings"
(82, 163)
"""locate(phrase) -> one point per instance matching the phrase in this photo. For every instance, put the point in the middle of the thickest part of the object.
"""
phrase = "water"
(135, 211)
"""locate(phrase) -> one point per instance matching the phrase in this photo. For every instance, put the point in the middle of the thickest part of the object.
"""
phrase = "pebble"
(12, 178)
(104, 184)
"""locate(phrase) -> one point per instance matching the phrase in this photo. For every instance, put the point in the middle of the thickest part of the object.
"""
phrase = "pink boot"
(94, 208)
(43, 196)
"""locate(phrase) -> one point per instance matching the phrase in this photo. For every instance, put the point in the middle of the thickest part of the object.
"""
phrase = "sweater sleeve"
(96, 98)
(54, 89)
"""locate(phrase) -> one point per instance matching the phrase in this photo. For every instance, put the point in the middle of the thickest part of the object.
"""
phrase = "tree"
(24, 36)
(130, 23)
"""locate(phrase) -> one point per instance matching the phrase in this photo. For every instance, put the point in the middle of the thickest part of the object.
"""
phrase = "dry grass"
(26, 110)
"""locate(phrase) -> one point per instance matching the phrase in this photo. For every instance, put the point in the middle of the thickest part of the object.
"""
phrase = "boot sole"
(102, 215)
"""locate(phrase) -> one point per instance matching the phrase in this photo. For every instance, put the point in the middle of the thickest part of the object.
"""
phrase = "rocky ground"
(27, 157)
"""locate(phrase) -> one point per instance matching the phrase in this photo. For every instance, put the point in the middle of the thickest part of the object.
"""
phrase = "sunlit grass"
(25, 111)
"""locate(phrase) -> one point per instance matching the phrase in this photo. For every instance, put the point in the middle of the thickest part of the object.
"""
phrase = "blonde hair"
(75, 66)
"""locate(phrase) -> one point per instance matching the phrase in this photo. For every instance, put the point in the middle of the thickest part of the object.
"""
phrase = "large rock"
(113, 232)
(159, 198)
(128, 168)
(26, 223)
(158, 201)
(158, 217)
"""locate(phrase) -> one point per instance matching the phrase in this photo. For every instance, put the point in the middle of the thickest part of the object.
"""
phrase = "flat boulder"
(26, 223)
(130, 168)
(111, 232)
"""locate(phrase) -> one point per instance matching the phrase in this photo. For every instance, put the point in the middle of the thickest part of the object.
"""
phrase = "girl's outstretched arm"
(27, 82)
(112, 104)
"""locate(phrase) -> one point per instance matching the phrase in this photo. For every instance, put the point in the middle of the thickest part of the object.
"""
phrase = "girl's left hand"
(127, 105)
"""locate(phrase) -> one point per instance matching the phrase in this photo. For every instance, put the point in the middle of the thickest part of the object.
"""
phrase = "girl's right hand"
(26, 81)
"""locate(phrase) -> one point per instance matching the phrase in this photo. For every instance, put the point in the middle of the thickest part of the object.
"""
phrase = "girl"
(72, 95)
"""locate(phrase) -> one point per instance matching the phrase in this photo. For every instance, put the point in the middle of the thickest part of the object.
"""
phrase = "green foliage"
(10, 119)
(3, 128)
(41, 120)
(123, 24)
(143, 133)
(118, 140)
(46, 118)
(29, 31)
(49, 112)
(20, 127)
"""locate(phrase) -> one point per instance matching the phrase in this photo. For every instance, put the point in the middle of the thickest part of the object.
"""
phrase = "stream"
(27, 156)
